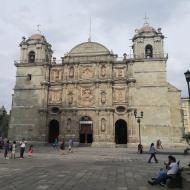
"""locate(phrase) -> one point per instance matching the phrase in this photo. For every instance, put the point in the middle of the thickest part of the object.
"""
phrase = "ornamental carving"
(56, 75)
(103, 97)
(86, 96)
(87, 73)
(55, 97)
(119, 95)
(120, 72)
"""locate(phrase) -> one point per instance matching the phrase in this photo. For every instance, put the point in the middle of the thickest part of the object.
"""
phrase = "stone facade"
(91, 95)
(186, 114)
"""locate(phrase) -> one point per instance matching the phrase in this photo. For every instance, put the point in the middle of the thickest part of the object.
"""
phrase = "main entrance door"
(53, 130)
(121, 132)
(86, 130)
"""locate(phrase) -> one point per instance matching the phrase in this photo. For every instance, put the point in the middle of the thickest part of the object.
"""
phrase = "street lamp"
(187, 77)
(139, 122)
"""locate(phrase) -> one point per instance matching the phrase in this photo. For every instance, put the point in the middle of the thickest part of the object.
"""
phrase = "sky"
(66, 23)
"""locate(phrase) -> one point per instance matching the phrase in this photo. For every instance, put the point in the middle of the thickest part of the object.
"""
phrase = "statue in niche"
(103, 71)
(70, 97)
(103, 125)
(120, 95)
(71, 72)
(103, 97)
(69, 123)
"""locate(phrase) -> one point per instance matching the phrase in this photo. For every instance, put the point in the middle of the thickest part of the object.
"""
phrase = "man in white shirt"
(173, 168)
(22, 148)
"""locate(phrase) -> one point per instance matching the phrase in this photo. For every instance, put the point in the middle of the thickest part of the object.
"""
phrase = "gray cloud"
(65, 23)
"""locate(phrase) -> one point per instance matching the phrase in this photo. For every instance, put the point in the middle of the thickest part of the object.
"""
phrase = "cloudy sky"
(65, 23)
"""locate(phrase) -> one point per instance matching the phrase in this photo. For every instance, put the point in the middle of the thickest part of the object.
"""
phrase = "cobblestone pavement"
(83, 169)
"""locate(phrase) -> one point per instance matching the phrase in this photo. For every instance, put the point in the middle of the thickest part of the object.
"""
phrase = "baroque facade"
(91, 95)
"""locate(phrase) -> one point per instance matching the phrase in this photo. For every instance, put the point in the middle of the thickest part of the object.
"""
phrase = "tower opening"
(31, 57)
(148, 51)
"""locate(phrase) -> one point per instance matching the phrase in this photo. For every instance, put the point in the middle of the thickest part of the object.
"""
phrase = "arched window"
(148, 51)
(31, 57)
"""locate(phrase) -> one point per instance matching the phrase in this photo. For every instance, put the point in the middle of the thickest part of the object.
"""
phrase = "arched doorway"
(121, 132)
(86, 130)
(53, 130)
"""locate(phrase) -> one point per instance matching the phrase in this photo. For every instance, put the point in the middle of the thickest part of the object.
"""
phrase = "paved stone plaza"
(84, 169)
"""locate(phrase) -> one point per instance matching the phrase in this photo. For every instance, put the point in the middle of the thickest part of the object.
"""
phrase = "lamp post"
(139, 122)
(187, 136)
(187, 77)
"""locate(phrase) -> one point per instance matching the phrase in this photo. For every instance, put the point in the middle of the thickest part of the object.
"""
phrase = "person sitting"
(172, 168)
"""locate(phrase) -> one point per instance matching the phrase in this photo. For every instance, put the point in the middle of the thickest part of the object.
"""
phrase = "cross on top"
(146, 19)
(38, 28)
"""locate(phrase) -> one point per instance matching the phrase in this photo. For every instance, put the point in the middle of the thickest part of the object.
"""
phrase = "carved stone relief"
(56, 75)
(55, 97)
(87, 72)
(86, 96)
(103, 97)
(119, 95)
(120, 72)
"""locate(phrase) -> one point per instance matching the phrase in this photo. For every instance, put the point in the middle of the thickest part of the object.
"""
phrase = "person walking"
(13, 151)
(22, 148)
(6, 149)
(152, 152)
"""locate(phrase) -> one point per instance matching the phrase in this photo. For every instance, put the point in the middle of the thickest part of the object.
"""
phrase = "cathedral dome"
(89, 48)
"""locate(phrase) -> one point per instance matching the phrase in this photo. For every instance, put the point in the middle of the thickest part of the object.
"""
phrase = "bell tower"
(35, 50)
(31, 89)
(148, 43)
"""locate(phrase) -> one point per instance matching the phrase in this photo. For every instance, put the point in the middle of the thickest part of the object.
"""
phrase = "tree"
(4, 122)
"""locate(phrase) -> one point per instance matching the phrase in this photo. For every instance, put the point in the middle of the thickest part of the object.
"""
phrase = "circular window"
(55, 110)
(120, 109)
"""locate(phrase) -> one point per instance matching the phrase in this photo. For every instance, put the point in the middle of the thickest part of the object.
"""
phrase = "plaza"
(85, 168)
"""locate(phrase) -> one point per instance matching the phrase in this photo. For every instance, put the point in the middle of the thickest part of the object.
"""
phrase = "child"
(30, 150)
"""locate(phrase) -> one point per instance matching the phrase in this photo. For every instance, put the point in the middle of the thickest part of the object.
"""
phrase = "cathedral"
(94, 97)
